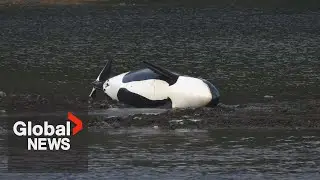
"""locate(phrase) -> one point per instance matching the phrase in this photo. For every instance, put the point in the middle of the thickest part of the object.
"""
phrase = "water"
(144, 153)
(50, 54)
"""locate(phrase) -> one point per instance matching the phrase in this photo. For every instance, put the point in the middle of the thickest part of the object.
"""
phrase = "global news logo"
(46, 136)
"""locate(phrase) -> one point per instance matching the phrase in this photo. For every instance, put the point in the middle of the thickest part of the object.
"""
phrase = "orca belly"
(142, 94)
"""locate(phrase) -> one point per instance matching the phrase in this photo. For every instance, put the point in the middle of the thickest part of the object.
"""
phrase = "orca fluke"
(103, 76)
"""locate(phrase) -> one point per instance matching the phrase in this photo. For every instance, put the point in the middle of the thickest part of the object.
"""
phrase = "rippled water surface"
(265, 60)
(144, 153)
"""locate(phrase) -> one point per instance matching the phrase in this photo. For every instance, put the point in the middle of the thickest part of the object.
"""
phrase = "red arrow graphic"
(76, 121)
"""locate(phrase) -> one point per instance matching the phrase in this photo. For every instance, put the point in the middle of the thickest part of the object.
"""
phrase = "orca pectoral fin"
(170, 76)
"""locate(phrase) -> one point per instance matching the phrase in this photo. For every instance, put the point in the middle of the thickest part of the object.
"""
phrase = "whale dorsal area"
(151, 72)
(140, 75)
(170, 77)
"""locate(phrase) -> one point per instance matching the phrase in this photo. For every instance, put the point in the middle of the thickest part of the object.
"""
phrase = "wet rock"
(116, 125)
(103, 106)
(177, 123)
(268, 97)
(195, 120)
(196, 123)
(228, 106)
(2, 94)
(137, 118)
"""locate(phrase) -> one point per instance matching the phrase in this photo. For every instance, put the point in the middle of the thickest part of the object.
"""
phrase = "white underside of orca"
(186, 92)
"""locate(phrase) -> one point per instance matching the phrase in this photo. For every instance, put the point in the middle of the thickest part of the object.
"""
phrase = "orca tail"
(103, 76)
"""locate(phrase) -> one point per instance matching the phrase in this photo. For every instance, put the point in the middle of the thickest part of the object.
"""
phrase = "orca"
(156, 87)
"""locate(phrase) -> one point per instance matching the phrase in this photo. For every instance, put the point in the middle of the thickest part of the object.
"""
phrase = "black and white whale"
(156, 87)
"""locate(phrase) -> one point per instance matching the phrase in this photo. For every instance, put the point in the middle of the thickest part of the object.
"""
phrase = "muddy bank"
(269, 115)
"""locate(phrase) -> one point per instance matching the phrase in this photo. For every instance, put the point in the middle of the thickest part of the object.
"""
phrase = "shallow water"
(49, 55)
(144, 153)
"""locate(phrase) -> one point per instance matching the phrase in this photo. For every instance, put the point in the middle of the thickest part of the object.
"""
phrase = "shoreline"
(271, 114)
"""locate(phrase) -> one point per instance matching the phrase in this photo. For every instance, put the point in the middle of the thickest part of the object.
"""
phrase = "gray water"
(147, 153)
(49, 55)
